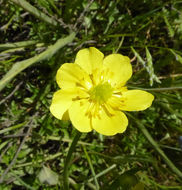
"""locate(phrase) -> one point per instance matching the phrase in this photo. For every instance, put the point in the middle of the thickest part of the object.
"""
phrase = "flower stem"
(68, 160)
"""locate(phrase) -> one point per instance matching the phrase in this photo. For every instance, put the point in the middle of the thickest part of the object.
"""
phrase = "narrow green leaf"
(91, 166)
(20, 66)
(138, 57)
(17, 44)
(31, 9)
(169, 27)
(156, 146)
(3, 144)
(150, 67)
(12, 128)
(177, 56)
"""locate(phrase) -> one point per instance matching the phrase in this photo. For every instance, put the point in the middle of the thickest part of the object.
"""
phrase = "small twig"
(120, 44)
(170, 76)
(60, 20)
(24, 14)
(13, 136)
(64, 25)
(82, 14)
(173, 8)
(30, 126)
(86, 42)
(133, 59)
(11, 94)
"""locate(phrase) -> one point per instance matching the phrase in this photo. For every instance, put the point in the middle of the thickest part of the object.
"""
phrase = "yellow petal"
(61, 101)
(89, 59)
(136, 100)
(117, 69)
(79, 117)
(110, 125)
(71, 75)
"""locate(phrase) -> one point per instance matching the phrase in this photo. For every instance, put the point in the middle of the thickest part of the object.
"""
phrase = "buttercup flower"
(93, 92)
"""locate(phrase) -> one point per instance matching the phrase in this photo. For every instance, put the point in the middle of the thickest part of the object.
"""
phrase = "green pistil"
(101, 93)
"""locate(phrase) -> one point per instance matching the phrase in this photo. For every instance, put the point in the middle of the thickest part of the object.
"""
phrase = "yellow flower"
(93, 92)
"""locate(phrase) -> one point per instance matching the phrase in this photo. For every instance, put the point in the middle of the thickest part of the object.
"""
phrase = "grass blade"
(177, 56)
(17, 44)
(156, 146)
(20, 66)
(31, 9)
(91, 166)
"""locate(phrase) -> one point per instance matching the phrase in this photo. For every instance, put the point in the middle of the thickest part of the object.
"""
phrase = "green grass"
(37, 37)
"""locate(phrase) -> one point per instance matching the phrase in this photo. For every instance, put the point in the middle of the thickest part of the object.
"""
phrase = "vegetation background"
(36, 37)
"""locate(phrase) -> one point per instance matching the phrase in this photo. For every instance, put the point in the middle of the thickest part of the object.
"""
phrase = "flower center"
(101, 93)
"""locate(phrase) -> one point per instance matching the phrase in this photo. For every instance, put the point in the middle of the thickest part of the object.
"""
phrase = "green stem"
(156, 146)
(91, 167)
(51, 157)
(103, 172)
(158, 89)
(68, 160)
(54, 138)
